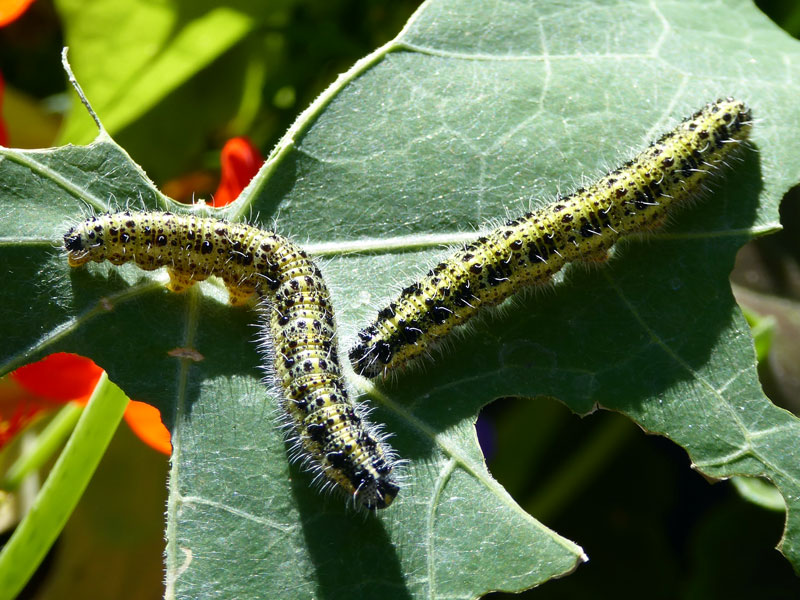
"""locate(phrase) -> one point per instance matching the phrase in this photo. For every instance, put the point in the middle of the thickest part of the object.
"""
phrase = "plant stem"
(69, 477)
(47, 442)
(580, 469)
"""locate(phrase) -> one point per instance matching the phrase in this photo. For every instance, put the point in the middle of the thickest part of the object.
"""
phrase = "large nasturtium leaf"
(475, 111)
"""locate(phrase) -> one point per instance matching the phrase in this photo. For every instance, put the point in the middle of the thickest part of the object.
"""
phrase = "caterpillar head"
(84, 242)
(368, 475)
(377, 492)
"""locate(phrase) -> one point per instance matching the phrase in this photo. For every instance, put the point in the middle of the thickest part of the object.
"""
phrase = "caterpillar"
(329, 429)
(530, 249)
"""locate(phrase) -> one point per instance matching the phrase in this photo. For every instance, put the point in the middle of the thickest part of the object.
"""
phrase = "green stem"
(47, 442)
(69, 477)
(580, 469)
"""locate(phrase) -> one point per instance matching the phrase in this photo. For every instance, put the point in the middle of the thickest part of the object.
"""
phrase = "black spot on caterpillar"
(529, 250)
(331, 433)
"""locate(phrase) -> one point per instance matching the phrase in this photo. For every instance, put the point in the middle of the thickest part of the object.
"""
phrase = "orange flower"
(240, 161)
(17, 409)
(11, 10)
(61, 378)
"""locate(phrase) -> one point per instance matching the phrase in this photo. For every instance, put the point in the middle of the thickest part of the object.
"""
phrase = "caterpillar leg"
(657, 223)
(239, 296)
(597, 257)
(179, 282)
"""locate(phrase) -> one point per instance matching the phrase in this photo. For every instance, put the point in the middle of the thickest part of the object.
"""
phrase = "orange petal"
(186, 187)
(64, 377)
(11, 10)
(41, 387)
(60, 377)
(145, 421)
(240, 161)
(17, 408)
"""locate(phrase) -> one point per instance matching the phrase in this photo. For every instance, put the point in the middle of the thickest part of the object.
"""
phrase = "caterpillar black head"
(380, 496)
(80, 240)
(375, 492)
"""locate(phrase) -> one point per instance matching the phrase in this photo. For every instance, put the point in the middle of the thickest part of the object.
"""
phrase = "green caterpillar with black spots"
(331, 435)
(529, 250)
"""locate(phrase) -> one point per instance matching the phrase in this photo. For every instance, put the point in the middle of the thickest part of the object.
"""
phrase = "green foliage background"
(471, 113)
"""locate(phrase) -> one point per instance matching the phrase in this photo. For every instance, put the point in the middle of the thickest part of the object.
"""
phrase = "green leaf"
(763, 330)
(125, 79)
(474, 112)
(759, 492)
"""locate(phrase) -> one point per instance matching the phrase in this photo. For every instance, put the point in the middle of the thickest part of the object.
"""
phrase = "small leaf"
(759, 492)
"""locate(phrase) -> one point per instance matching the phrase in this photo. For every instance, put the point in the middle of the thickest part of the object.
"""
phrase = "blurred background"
(194, 114)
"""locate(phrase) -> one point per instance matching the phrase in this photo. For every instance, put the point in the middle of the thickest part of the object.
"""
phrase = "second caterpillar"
(531, 249)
